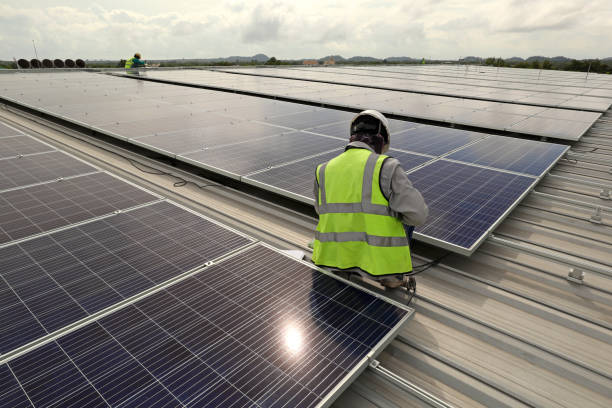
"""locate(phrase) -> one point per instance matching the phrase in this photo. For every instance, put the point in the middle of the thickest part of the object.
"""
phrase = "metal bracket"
(596, 218)
(576, 275)
(374, 363)
(209, 263)
(604, 194)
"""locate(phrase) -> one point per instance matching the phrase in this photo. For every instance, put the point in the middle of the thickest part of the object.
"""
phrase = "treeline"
(594, 65)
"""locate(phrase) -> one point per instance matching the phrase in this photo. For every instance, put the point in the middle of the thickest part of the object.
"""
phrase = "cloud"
(115, 29)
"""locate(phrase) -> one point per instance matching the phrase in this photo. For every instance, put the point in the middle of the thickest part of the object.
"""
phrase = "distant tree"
(522, 64)
(490, 61)
(546, 64)
(500, 62)
(535, 64)
(272, 61)
(121, 63)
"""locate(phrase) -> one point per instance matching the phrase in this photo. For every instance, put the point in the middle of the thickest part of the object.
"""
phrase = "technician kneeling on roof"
(365, 203)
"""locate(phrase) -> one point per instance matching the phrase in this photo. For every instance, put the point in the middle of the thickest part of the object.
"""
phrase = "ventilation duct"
(58, 63)
(80, 63)
(23, 63)
(35, 63)
(47, 63)
(70, 63)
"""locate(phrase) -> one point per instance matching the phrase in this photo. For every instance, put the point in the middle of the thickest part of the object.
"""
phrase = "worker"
(366, 204)
(132, 64)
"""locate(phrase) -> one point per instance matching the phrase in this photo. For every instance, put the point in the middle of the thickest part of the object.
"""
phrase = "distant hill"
(363, 59)
(514, 59)
(607, 59)
(402, 59)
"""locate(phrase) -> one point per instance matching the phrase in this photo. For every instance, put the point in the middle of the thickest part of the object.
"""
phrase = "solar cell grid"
(432, 140)
(247, 157)
(44, 207)
(57, 279)
(310, 119)
(17, 172)
(223, 337)
(21, 145)
(522, 156)
(465, 201)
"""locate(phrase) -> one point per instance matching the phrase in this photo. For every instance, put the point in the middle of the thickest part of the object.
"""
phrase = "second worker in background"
(366, 205)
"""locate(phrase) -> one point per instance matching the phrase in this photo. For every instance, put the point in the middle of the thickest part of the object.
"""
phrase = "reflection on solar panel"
(17, 172)
(44, 207)
(247, 157)
(522, 156)
(191, 140)
(465, 202)
(57, 279)
(433, 140)
(21, 145)
(258, 329)
(310, 119)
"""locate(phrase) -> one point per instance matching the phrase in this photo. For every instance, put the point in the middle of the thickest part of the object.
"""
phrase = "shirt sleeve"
(315, 192)
(405, 200)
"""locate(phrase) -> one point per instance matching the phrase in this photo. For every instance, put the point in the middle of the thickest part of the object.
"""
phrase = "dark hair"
(375, 141)
(366, 129)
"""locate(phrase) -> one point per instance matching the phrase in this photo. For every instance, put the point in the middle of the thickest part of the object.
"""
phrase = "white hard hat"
(384, 122)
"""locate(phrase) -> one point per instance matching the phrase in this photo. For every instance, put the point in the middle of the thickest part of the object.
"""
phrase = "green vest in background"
(129, 63)
(356, 226)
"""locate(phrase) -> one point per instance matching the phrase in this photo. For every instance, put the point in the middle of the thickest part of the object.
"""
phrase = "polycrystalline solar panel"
(22, 171)
(21, 145)
(44, 207)
(433, 140)
(522, 156)
(245, 158)
(304, 120)
(57, 279)
(555, 128)
(202, 138)
(298, 177)
(256, 330)
(465, 201)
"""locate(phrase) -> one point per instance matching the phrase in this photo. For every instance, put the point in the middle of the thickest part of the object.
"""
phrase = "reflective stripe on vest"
(129, 63)
(362, 234)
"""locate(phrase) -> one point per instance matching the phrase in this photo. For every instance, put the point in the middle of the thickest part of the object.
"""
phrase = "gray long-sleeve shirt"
(404, 200)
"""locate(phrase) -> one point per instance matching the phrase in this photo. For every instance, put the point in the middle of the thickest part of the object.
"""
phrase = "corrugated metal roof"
(502, 328)
(505, 327)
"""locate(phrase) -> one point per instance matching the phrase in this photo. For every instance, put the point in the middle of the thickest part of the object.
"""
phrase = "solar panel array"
(111, 296)
(272, 144)
(547, 96)
(556, 123)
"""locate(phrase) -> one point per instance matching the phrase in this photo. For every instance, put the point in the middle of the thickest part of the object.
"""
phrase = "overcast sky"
(159, 29)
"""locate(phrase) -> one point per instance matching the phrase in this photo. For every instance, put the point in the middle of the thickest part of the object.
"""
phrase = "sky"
(438, 29)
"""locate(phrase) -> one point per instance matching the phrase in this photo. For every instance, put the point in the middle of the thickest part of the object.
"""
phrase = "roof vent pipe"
(47, 63)
(23, 63)
(58, 63)
(80, 63)
(35, 63)
(70, 63)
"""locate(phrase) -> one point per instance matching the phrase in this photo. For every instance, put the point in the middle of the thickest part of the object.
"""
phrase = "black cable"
(423, 267)
(181, 182)
(585, 151)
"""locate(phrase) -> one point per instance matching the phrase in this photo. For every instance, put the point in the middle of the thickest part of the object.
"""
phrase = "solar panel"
(203, 138)
(257, 329)
(43, 207)
(465, 202)
(522, 156)
(57, 279)
(13, 146)
(304, 120)
(433, 140)
(556, 128)
(26, 170)
(244, 158)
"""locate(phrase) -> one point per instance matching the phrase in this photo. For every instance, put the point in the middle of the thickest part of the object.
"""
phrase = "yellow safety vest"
(356, 226)
(129, 63)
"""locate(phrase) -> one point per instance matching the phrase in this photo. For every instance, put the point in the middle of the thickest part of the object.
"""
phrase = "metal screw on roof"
(576, 276)
(605, 194)
(596, 218)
